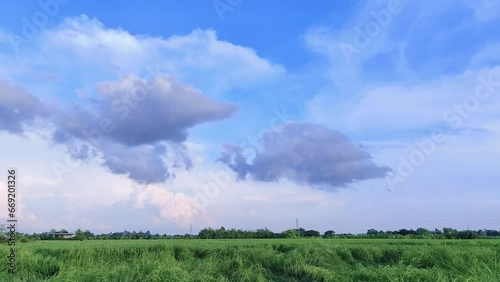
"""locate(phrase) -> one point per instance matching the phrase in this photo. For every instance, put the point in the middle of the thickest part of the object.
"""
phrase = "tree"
(449, 233)
(291, 233)
(422, 231)
(79, 235)
(264, 233)
(329, 234)
(311, 233)
(301, 231)
(140, 234)
(492, 233)
(220, 233)
(89, 235)
(207, 233)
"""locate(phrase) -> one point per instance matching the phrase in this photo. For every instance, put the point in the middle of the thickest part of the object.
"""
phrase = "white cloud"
(485, 10)
(488, 54)
(176, 207)
(404, 107)
(198, 57)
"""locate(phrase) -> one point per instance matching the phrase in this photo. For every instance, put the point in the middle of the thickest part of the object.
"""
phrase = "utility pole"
(297, 223)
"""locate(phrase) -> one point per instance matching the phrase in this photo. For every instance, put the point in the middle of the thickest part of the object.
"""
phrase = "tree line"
(419, 233)
(263, 233)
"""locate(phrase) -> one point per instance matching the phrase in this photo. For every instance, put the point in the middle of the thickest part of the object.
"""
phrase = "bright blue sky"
(276, 24)
(389, 91)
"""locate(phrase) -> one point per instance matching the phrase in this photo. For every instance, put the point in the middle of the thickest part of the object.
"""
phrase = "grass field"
(256, 260)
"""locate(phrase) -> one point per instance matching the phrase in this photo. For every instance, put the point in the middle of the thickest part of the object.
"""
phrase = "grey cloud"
(129, 120)
(233, 157)
(135, 111)
(305, 153)
(83, 152)
(143, 164)
(18, 108)
(164, 109)
(72, 123)
(181, 156)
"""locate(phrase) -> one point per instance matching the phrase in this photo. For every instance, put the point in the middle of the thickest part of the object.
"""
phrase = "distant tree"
(449, 233)
(311, 233)
(422, 231)
(301, 231)
(291, 233)
(465, 234)
(89, 235)
(79, 235)
(264, 233)
(329, 234)
(220, 233)
(207, 233)
(492, 233)
(140, 234)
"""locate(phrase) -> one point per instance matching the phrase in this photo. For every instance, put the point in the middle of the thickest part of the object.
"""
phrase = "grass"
(256, 260)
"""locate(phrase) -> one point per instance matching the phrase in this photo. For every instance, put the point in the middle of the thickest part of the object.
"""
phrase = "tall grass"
(257, 260)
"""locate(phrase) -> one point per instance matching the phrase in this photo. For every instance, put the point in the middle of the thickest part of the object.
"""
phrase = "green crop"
(256, 260)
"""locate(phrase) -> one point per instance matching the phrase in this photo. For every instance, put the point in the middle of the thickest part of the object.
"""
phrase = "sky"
(180, 115)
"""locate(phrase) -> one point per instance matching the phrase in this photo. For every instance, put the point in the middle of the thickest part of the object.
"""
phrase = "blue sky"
(348, 115)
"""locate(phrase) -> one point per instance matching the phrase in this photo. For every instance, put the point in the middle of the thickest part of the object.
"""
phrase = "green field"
(257, 260)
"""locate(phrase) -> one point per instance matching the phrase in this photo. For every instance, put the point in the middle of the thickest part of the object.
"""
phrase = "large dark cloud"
(134, 122)
(304, 153)
(18, 109)
(135, 126)
(135, 111)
